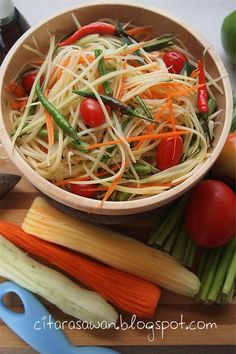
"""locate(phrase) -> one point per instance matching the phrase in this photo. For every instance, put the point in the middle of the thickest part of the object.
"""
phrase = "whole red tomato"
(210, 213)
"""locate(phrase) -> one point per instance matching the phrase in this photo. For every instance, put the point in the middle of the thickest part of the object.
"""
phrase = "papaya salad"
(112, 112)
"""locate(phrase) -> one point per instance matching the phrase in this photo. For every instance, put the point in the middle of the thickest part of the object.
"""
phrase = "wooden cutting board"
(172, 307)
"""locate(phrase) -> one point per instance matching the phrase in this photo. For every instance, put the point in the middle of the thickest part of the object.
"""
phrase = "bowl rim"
(115, 207)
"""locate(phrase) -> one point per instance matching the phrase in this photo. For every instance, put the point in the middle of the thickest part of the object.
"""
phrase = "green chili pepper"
(114, 104)
(59, 118)
(102, 72)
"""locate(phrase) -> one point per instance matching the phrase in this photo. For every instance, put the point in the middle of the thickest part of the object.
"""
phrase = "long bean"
(102, 72)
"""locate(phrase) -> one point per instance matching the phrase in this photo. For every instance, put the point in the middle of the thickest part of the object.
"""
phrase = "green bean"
(102, 72)
(144, 107)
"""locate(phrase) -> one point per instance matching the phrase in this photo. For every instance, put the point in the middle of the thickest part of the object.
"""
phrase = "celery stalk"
(209, 274)
(231, 275)
(203, 262)
(161, 233)
(179, 248)
(221, 272)
(169, 243)
(191, 254)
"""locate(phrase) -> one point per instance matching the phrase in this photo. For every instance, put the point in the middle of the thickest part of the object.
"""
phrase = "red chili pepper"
(202, 98)
(92, 28)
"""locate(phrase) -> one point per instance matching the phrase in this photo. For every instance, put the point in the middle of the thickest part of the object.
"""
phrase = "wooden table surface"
(14, 207)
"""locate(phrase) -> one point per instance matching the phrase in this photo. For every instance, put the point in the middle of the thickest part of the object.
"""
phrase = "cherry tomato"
(84, 190)
(169, 152)
(28, 81)
(210, 213)
(175, 61)
(225, 165)
(91, 112)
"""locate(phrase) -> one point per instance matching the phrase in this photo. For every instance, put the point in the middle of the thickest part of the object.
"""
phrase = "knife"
(7, 182)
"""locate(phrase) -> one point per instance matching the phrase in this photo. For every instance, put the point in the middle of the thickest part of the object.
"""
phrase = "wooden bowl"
(86, 13)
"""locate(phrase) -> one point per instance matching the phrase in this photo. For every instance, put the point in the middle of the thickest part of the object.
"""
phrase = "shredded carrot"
(146, 185)
(140, 30)
(50, 128)
(120, 88)
(113, 186)
(172, 89)
(104, 173)
(172, 119)
(194, 73)
(69, 180)
(139, 138)
(49, 124)
(133, 48)
(36, 61)
(60, 70)
(125, 291)
(87, 178)
(185, 92)
(101, 89)
(152, 126)
(89, 58)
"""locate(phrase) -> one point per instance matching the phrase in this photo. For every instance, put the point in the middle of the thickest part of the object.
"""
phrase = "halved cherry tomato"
(169, 152)
(91, 112)
(28, 81)
(210, 213)
(175, 61)
(85, 190)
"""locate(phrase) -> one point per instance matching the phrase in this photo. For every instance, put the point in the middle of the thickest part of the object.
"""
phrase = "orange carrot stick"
(120, 88)
(113, 186)
(69, 180)
(50, 129)
(140, 30)
(127, 292)
(139, 138)
(77, 179)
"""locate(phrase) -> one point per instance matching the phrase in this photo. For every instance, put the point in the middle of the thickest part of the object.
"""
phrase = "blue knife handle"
(28, 325)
